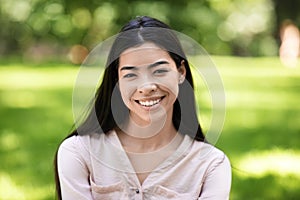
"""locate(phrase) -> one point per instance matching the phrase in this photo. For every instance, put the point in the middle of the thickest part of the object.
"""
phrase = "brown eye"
(160, 71)
(130, 75)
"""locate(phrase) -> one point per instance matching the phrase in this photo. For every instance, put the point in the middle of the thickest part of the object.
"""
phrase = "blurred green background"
(254, 44)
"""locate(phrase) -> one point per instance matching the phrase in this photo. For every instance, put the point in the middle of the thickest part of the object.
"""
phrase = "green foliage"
(262, 128)
(51, 27)
(35, 115)
(260, 135)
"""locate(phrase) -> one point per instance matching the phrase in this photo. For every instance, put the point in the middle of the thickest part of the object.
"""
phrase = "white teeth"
(149, 103)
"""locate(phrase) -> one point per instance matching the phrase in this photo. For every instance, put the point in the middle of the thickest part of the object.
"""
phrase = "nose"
(147, 88)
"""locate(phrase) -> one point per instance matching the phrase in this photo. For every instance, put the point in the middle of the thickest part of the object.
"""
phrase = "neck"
(138, 139)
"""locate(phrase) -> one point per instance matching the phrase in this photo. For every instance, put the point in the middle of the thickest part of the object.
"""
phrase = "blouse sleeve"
(217, 182)
(72, 171)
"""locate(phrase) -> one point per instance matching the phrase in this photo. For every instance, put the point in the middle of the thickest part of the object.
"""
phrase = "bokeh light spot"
(17, 10)
(77, 54)
(63, 26)
(81, 18)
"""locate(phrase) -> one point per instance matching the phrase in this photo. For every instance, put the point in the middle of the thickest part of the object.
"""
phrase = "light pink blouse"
(97, 167)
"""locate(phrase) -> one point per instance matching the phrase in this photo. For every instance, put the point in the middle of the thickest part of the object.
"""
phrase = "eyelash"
(129, 75)
(159, 71)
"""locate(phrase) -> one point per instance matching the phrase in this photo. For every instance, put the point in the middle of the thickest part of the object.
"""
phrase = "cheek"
(173, 89)
(126, 91)
(170, 83)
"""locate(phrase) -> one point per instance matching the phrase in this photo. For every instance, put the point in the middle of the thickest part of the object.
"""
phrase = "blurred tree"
(240, 27)
(287, 31)
(286, 10)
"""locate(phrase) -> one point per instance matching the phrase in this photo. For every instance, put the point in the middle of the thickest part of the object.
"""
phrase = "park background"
(254, 44)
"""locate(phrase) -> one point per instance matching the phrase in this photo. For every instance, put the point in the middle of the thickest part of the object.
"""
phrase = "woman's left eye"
(160, 71)
(129, 75)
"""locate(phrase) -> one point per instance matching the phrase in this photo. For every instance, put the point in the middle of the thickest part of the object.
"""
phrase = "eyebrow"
(149, 66)
(158, 63)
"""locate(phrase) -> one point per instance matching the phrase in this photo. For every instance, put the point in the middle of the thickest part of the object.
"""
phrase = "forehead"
(146, 53)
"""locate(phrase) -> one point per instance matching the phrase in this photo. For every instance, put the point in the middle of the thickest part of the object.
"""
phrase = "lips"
(149, 102)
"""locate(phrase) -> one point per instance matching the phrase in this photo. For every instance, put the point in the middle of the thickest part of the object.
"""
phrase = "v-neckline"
(179, 151)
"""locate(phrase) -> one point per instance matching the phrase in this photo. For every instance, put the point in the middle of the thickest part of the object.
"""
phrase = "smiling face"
(148, 82)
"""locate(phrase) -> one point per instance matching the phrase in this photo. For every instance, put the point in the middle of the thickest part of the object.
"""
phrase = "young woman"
(141, 138)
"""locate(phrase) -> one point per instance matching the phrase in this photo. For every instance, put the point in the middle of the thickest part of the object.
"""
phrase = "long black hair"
(101, 119)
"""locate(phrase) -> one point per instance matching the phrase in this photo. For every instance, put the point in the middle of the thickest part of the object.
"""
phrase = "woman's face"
(148, 82)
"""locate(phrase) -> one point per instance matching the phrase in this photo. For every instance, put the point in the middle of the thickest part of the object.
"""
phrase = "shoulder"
(68, 144)
(209, 154)
(83, 144)
(77, 144)
(76, 151)
(69, 148)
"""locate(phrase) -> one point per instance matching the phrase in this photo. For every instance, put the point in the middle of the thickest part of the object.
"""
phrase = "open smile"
(150, 102)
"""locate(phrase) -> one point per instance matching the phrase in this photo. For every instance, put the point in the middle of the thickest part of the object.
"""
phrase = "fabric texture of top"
(97, 167)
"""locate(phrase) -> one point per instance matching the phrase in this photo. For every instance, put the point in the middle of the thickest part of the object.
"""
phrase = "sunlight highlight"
(19, 100)
(9, 140)
(278, 162)
(12, 78)
(11, 190)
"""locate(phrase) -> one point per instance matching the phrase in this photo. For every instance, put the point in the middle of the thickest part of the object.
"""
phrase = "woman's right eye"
(130, 75)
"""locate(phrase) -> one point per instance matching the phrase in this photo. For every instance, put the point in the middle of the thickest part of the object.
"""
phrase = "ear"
(182, 72)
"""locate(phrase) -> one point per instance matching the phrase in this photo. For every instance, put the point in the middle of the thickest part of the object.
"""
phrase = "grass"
(262, 129)
(260, 135)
